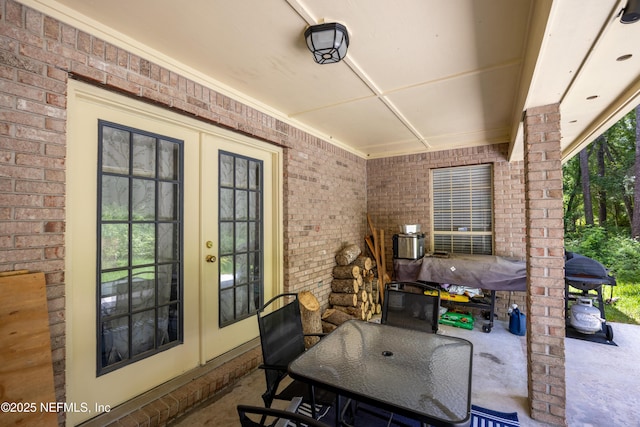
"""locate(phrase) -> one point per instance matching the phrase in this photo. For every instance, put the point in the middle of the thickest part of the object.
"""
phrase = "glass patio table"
(420, 375)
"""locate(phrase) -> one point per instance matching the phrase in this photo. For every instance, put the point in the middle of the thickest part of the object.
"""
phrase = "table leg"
(338, 420)
(342, 413)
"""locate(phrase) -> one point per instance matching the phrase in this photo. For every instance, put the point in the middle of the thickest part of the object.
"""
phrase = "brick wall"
(324, 186)
(398, 192)
(325, 209)
(545, 265)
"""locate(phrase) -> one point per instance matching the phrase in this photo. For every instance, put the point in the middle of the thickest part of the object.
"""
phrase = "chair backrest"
(411, 305)
(282, 418)
(281, 334)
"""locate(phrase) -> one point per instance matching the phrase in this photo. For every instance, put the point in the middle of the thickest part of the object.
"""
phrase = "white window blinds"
(462, 209)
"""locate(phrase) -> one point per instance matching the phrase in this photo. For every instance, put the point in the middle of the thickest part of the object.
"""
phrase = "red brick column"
(545, 265)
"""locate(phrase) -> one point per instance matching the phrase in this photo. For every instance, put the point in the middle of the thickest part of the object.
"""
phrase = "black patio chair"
(270, 417)
(282, 340)
(411, 305)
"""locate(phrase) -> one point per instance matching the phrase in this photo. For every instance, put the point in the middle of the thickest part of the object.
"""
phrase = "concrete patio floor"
(602, 380)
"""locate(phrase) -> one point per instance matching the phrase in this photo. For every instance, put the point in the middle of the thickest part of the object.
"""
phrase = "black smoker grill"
(586, 274)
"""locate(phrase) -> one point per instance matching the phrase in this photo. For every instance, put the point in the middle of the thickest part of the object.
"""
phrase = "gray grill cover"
(475, 271)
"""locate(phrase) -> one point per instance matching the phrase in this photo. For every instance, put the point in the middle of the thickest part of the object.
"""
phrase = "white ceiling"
(420, 75)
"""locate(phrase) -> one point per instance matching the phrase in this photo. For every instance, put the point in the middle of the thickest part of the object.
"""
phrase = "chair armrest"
(273, 367)
(291, 407)
(243, 410)
(321, 334)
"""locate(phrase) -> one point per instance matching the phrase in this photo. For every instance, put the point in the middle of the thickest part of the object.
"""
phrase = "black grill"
(585, 273)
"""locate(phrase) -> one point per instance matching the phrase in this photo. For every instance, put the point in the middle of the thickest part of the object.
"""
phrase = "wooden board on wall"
(26, 370)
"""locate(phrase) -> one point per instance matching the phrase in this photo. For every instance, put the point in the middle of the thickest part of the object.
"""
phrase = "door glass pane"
(168, 318)
(114, 293)
(242, 208)
(241, 237)
(115, 198)
(242, 301)
(143, 243)
(143, 288)
(254, 205)
(114, 250)
(114, 341)
(144, 199)
(242, 173)
(253, 237)
(115, 150)
(139, 246)
(168, 160)
(226, 238)
(168, 201)
(144, 155)
(227, 304)
(226, 272)
(255, 267)
(241, 269)
(143, 331)
(255, 175)
(240, 234)
(167, 283)
(168, 242)
(226, 204)
(226, 170)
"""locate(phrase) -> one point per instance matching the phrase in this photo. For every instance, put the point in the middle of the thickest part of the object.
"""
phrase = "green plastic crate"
(459, 320)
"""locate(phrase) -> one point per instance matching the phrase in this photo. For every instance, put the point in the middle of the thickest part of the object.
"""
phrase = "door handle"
(210, 258)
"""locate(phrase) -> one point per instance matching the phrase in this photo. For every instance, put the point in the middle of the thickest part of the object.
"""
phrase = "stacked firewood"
(354, 289)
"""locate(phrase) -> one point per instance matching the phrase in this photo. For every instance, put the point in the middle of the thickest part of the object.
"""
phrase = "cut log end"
(348, 254)
(308, 301)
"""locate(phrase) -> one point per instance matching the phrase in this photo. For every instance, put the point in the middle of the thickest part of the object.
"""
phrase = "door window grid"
(140, 186)
(240, 236)
(463, 209)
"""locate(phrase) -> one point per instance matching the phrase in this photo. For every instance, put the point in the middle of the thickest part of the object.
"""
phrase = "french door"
(227, 260)
(239, 223)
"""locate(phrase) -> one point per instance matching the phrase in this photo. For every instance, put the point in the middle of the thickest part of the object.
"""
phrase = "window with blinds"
(462, 209)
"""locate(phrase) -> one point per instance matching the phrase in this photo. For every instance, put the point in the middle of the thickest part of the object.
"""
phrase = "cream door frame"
(83, 388)
(221, 340)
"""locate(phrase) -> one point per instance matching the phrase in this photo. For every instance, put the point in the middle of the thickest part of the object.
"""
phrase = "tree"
(586, 185)
(635, 222)
(601, 144)
(603, 175)
(572, 191)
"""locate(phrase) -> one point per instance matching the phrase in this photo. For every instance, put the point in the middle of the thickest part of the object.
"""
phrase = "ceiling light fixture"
(631, 12)
(327, 42)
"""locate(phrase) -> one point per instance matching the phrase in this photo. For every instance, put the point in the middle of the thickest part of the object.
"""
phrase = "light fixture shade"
(631, 12)
(327, 42)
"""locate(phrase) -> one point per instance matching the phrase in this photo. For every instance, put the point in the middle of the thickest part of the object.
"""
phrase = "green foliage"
(616, 148)
(624, 303)
(115, 238)
(610, 163)
(625, 257)
(621, 254)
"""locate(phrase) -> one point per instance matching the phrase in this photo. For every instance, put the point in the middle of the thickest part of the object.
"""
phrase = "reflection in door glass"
(240, 233)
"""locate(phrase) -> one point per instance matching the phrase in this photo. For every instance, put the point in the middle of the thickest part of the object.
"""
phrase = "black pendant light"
(327, 42)
(631, 12)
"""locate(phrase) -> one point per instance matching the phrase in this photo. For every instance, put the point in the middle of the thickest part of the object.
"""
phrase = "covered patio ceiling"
(419, 76)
